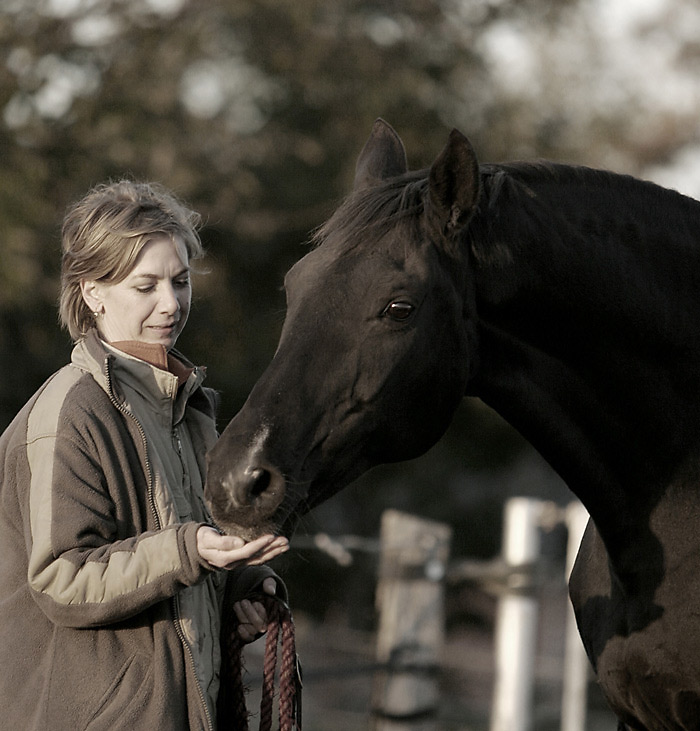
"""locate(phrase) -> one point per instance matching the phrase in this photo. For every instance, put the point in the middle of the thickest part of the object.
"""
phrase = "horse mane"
(562, 176)
(381, 207)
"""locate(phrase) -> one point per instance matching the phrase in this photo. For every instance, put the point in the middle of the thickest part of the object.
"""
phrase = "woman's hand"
(227, 552)
(252, 616)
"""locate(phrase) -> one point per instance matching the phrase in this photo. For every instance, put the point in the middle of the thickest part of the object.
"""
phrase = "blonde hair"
(104, 233)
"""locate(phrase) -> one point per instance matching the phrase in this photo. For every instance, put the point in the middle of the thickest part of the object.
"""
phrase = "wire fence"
(471, 675)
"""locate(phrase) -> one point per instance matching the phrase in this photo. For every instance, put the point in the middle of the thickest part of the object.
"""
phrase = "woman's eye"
(399, 310)
(145, 290)
(182, 283)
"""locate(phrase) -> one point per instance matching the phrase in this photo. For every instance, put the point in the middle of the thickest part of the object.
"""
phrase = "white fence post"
(516, 620)
(576, 665)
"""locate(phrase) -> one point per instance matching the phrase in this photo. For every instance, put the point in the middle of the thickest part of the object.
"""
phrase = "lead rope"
(232, 703)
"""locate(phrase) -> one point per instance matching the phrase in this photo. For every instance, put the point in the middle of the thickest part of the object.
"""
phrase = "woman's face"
(152, 303)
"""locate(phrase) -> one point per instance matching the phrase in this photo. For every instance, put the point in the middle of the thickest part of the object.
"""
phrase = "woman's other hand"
(252, 615)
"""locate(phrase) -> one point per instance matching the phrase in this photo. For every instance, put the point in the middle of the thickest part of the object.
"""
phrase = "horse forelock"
(374, 211)
(377, 209)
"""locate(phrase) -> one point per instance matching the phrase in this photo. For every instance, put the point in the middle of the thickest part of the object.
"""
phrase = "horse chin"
(279, 512)
(248, 533)
(282, 522)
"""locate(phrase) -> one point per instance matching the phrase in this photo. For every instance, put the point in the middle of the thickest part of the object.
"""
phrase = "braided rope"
(290, 677)
(269, 667)
(231, 703)
(232, 706)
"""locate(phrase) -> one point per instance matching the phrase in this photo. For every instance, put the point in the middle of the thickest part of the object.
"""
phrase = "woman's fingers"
(251, 613)
(252, 619)
(269, 586)
(258, 551)
(227, 552)
(263, 554)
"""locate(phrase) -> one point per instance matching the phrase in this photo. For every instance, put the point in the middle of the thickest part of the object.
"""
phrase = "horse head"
(376, 349)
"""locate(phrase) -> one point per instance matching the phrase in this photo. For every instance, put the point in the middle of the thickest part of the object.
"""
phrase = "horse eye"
(399, 310)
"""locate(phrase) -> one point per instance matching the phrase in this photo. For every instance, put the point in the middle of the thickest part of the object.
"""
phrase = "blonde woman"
(112, 576)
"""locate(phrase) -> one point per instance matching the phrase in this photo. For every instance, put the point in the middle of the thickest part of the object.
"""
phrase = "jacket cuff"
(194, 565)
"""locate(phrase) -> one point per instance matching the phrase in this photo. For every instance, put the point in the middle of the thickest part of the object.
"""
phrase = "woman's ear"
(91, 295)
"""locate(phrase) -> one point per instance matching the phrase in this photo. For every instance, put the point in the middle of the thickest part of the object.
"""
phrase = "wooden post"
(410, 601)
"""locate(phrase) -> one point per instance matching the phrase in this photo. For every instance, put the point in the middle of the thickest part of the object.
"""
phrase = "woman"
(112, 576)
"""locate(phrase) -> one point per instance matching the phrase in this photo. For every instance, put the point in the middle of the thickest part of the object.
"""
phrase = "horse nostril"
(244, 500)
(260, 480)
(255, 487)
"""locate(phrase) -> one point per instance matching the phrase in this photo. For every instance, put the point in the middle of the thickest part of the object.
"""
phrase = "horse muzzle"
(245, 496)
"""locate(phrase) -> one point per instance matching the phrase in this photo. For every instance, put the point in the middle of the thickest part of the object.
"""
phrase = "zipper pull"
(178, 442)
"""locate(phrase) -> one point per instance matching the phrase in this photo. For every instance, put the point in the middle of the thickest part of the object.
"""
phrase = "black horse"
(566, 298)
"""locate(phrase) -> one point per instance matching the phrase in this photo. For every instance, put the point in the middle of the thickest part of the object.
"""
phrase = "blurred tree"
(254, 111)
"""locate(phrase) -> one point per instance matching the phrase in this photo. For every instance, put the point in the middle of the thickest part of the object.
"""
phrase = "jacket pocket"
(122, 704)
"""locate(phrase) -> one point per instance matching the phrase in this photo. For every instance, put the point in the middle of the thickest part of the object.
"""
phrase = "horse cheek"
(446, 382)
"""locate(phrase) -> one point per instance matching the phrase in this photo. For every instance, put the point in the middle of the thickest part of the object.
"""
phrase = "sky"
(609, 55)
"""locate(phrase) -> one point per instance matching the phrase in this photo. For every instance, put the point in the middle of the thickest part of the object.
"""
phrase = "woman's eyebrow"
(145, 275)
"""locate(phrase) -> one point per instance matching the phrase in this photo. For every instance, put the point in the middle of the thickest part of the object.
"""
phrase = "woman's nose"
(169, 303)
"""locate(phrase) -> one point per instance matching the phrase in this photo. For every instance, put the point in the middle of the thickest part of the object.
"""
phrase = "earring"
(96, 314)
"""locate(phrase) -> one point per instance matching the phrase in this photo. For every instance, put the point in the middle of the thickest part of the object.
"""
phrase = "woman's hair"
(104, 233)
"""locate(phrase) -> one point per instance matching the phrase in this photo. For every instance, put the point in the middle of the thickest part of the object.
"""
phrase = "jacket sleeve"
(85, 570)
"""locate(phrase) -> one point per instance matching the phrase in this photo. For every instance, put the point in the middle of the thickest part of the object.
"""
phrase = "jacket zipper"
(147, 462)
(181, 634)
(178, 449)
(177, 621)
(176, 603)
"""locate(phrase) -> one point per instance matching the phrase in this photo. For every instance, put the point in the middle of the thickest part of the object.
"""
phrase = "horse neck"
(587, 300)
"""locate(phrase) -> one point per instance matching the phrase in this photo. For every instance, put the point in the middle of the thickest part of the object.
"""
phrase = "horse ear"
(382, 157)
(454, 183)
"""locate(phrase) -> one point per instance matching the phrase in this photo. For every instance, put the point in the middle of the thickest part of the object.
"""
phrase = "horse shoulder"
(590, 592)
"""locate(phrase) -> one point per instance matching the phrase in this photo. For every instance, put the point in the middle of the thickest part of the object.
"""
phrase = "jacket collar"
(157, 355)
(110, 366)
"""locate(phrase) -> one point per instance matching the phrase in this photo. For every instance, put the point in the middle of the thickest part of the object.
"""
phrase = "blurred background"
(254, 112)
